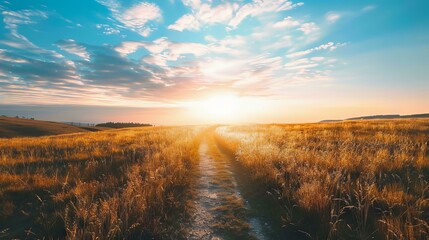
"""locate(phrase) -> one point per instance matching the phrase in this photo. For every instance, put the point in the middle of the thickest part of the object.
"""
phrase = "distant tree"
(16, 116)
(32, 118)
(122, 125)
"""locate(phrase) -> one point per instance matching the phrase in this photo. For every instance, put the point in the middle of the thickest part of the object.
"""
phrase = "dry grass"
(20, 127)
(105, 185)
(348, 180)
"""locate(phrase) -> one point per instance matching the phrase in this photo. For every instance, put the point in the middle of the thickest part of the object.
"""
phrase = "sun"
(222, 106)
(218, 108)
(227, 108)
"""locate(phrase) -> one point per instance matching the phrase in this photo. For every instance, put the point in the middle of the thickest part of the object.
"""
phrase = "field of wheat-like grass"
(115, 184)
(347, 180)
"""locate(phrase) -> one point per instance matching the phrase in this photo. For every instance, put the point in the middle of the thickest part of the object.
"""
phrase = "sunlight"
(218, 108)
(228, 108)
(221, 106)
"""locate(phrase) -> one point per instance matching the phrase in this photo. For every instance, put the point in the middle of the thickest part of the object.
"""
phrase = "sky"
(177, 62)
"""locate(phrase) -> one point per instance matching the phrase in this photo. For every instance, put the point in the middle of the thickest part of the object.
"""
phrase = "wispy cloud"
(259, 59)
(328, 46)
(203, 14)
(187, 21)
(107, 29)
(332, 17)
(309, 28)
(257, 8)
(137, 17)
(72, 47)
(287, 22)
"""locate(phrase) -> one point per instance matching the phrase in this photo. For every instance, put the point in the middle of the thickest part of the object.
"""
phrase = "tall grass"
(348, 180)
(127, 183)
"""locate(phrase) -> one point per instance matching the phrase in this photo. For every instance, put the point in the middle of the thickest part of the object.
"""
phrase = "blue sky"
(312, 59)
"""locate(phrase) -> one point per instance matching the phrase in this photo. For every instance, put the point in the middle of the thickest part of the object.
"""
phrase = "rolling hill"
(19, 127)
(390, 116)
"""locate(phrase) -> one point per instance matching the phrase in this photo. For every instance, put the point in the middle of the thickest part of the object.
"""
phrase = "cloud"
(162, 46)
(230, 45)
(20, 43)
(187, 21)
(34, 71)
(107, 29)
(309, 28)
(12, 19)
(137, 17)
(328, 46)
(202, 14)
(287, 22)
(72, 47)
(259, 7)
(126, 48)
(303, 63)
(247, 63)
(332, 17)
(4, 56)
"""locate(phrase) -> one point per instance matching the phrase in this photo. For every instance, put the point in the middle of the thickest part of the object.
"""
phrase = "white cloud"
(194, 4)
(328, 46)
(162, 48)
(136, 17)
(187, 21)
(72, 47)
(231, 45)
(259, 7)
(203, 13)
(283, 42)
(12, 19)
(217, 14)
(303, 63)
(308, 28)
(287, 22)
(332, 17)
(128, 47)
(107, 29)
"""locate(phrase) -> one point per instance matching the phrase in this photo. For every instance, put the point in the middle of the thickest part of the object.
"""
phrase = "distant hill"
(20, 127)
(390, 116)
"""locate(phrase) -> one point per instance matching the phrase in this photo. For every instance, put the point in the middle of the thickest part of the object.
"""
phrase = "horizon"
(188, 62)
(55, 117)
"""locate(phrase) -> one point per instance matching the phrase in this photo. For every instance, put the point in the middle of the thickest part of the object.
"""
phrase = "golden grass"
(348, 180)
(126, 183)
(20, 127)
(355, 179)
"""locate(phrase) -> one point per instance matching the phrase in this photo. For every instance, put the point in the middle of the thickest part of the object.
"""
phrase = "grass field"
(346, 180)
(104, 185)
(20, 127)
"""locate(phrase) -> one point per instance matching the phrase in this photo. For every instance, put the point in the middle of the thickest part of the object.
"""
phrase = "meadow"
(119, 184)
(345, 180)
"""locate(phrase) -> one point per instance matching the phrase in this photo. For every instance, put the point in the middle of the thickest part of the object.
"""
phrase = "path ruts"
(220, 212)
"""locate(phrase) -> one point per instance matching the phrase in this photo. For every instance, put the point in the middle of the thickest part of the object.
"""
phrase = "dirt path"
(220, 212)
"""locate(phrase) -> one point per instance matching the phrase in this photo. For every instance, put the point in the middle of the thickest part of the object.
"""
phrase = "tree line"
(122, 124)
